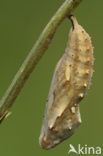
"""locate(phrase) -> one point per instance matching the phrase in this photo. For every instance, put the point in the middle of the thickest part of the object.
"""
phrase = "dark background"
(21, 22)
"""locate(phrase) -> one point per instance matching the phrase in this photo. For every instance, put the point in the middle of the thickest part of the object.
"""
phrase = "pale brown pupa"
(70, 84)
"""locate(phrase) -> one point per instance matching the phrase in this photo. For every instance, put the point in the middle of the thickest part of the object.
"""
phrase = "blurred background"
(21, 22)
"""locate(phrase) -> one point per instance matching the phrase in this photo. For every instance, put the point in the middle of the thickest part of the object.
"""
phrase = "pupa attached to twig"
(71, 81)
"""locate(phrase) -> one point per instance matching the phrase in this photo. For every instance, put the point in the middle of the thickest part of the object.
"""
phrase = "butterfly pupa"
(70, 83)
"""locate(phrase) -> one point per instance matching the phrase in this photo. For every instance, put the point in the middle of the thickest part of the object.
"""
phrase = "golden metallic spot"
(87, 72)
(73, 110)
(85, 85)
(45, 138)
(88, 60)
(76, 105)
(88, 49)
(70, 128)
(67, 74)
(86, 39)
(70, 125)
(51, 126)
(81, 95)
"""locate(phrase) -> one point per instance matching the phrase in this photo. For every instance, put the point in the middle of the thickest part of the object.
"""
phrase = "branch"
(34, 56)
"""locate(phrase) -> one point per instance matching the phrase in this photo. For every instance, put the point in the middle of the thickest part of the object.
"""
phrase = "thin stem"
(34, 56)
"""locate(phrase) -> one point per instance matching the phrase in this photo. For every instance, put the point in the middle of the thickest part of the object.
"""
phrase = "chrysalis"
(71, 81)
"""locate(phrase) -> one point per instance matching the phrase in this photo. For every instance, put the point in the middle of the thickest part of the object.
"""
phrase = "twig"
(34, 56)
